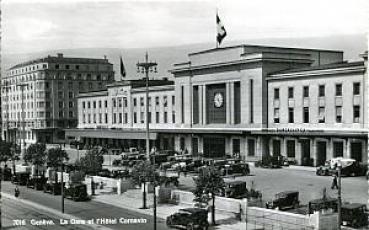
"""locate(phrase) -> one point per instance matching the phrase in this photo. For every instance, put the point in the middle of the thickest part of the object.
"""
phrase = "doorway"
(321, 148)
(357, 151)
(305, 153)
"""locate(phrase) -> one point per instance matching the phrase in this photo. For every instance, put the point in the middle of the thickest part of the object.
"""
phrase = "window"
(156, 100)
(134, 117)
(321, 90)
(290, 92)
(71, 104)
(114, 102)
(60, 94)
(94, 104)
(157, 117)
(99, 104)
(142, 101)
(90, 85)
(120, 118)
(83, 104)
(338, 114)
(114, 118)
(306, 114)
(56, 66)
(88, 104)
(120, 102)
(251, 147)
(125, 121)
(106, 104)
(142, 116)
(61, 104)
(134, 101)
(276, 93)
(173, 100)
(356, 113)
(125, 102)
(291, 115)
(100, 118)
(67, 66)
(356, 88)
(321, 115)
(149, 117)
(77, 66)
(106, 118)
(94, 118)
(338, 89)
(276, 115)
(173, 117)
(291, 148)
(306, 91)
(84, 118)
(165, 117)
(165, 101)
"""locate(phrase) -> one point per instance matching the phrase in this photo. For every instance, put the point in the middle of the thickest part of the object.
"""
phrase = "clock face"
(218, 100)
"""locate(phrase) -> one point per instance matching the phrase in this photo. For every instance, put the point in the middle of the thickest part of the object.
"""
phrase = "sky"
(41, 25)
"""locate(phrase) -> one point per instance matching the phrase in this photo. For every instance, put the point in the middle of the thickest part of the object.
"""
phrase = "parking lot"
(310, 186)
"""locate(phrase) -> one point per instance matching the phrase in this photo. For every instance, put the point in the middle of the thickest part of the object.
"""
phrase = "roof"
(352, 205)
(262, 46)
(321, 67)
(62, 59)
(141, 83)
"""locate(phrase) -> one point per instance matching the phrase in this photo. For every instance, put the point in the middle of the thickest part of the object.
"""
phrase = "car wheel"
(189, 226)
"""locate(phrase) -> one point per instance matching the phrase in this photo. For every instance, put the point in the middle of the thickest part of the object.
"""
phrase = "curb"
(50, 210)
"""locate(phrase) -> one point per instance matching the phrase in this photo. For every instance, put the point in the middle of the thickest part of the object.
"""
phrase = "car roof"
(192, 210)
(352, 205)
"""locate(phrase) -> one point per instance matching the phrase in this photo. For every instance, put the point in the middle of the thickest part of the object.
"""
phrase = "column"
(284, 147)
(314, 152)
(330, 149)
(204, 121)
(201, 89)
(231, 113)
(298, 152)
(228, 103)
(347, 150)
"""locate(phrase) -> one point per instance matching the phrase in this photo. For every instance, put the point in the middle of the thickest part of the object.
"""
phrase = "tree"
(55, 157)
(5, 151)
(36, 154)
(93, 160)
(143, 172)
(208, 184)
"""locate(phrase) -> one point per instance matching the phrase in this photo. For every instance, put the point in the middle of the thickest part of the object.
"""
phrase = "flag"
(221, 32)
(122, 69)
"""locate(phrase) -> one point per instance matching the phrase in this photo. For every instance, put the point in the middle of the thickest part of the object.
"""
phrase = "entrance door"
(214, 147)
(305, 153)
(276, 147)
(321, 148)
(357, 151)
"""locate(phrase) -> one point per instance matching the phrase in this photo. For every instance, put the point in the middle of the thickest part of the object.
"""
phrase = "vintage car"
(36, 182)
(350, 167)
(52, 187)
(76, 192)
(354, 215)
(20, 178)
(284, 200)
(122, 173)
(7, 174)
(323, 204)
(268, 161)
(168, 180)
(238, 168)
(235, 189)
(190, 218)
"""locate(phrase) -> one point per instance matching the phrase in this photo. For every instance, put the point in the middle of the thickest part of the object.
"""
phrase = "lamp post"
(146, 67)
(339, 166)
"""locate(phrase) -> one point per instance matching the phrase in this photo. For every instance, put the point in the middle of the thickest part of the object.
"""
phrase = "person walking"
(334, 182)
(16, 191)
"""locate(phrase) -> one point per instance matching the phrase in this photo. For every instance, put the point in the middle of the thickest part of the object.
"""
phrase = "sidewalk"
(132, 200)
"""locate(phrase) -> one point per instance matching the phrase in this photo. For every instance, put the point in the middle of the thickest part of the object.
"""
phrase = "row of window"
(321, 114)
(40, 114)
(321, 92)
(157, 101)
(122, 118)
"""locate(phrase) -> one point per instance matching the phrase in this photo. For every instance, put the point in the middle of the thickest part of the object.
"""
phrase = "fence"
(260, 218)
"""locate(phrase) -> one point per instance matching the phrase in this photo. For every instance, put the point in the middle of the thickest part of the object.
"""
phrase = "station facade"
(306, 104)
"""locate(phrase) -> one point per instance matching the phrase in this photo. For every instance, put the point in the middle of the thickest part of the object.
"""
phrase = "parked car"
(284, 200)
(36, 182)
(76, 192)
(323, 204)
(20, 178)
(52, 187)
(235, 189)
(350, 167)
(190, 218)
(238, 168)
(7, 174)
(268, 161)
(104, 173)
(354, 215)
(167, 180)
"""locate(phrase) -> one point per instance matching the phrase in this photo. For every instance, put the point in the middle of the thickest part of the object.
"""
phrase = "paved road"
(14, 212)
(85, 210)
(271, 181)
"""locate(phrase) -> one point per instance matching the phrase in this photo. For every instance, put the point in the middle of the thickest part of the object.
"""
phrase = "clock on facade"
(218, 100)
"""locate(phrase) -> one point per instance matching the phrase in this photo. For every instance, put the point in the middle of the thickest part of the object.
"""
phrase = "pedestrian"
(334, 182)
(16, 191)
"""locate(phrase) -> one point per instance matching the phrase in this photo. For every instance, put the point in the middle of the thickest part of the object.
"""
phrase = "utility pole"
(339, 195)
(145, 67)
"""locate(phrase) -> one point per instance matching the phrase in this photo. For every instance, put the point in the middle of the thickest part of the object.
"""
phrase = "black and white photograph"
(184, 114)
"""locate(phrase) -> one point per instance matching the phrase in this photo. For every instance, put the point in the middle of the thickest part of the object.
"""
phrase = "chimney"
(60, 55)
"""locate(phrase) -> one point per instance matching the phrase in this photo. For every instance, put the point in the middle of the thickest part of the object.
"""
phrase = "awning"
(133, 134)
(309, 133)
(201, 131)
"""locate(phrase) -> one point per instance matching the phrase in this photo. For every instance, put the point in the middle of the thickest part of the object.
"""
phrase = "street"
(310, 186)
(83, 210)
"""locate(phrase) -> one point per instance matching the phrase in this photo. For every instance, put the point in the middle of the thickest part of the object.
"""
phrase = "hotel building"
(43, 92)
(306, 104)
